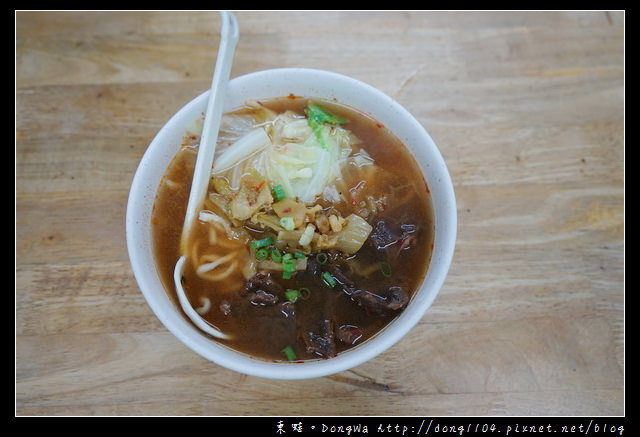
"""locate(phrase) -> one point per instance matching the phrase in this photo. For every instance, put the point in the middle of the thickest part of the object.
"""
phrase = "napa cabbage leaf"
(302, 154)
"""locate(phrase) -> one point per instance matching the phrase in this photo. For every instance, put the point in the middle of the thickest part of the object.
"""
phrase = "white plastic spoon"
(228, 39)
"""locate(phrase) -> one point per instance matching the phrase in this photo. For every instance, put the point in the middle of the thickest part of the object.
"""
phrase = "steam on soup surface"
(316, 230)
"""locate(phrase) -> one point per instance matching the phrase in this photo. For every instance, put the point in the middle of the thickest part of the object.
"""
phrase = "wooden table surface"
(528, 111)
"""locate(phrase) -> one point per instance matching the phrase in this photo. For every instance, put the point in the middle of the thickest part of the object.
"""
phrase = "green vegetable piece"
(305, 293)
(289, 353)
(317, 117)
(329, 280)
(322, 258)
(278, 192)
(292, 295)
(385, 268)
(276, 255)
(264, 242)
(262, 254)
(288, 265)
(288, 223)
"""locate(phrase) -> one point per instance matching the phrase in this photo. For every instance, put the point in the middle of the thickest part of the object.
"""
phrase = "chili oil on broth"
(263, 331)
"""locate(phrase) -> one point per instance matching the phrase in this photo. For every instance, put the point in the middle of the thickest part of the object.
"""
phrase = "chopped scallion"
(278, 192)
(289, 353)
(262, 254)
(264, 242)
(292, 295)
(319, 115)
(322, 258)
(288, 223)
(385, 268)
(305, 293)
(299, 254)
(276, 255)
(288, 265)
(307, 235)
(329, 280)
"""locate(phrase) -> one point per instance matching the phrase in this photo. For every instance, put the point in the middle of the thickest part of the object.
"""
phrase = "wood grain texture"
(527, 109)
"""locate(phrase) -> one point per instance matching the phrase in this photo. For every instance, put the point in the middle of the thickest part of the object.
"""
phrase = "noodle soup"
(316, 232)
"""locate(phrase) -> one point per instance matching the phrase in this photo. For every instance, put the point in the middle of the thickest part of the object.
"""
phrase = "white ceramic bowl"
(278, 83)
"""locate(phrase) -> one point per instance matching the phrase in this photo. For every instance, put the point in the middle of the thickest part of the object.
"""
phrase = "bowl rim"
(390, 113)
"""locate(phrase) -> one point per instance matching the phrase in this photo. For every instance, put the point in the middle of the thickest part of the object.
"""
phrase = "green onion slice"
(264, 242)
(322, 258)
(292, 295)
(289, 353)
(276, 255)
(329, 280)
(278, 192)
(288, 265)
(318, 115)
(305, 293)
(288, 223)
(385, 268)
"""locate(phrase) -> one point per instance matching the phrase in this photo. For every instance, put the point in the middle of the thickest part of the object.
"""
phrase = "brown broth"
(263, 331)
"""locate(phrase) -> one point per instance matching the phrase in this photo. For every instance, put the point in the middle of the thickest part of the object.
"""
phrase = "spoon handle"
(228, 40)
